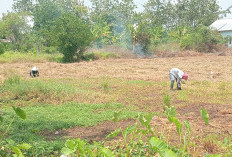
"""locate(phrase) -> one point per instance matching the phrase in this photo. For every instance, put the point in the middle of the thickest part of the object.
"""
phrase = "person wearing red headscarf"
(178, 75)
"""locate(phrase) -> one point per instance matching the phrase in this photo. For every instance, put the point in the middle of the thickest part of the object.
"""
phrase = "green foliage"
(13, 80)
(23, 5)
(73, 36)
(170, 111)
(116, 116)
(2, 48)
(51, 117)
(105, 85)
(17, 57)
(166, 100)
(111, 23)
(90, 56)
(159, 146)
(18, 88)
(205, 116)
(11, 145)
(20, 112)
(18, 149)
(201, 39)
(79, 147)
(182, 13)
(102, 33)
(187, 125)
(113, 134)
(15, 28)
(177, 123)
(132, 140)
(145, 120)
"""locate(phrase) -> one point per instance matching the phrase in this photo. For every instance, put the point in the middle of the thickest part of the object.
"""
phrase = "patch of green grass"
(20, 57)
(90, 56)
(16, 88)
(53, 117)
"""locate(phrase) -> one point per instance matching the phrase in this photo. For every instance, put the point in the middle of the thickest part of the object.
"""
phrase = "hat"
(185, 76)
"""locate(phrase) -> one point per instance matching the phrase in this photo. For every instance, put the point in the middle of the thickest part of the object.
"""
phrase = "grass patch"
(52, 117)
(19, 57)
(146, 95)
(35, 90)
(206, 92)
(90, 56)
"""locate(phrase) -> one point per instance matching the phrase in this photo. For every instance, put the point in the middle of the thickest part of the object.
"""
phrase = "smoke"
(126, 37)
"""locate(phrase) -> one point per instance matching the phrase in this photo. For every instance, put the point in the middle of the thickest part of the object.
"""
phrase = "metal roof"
(222, 25)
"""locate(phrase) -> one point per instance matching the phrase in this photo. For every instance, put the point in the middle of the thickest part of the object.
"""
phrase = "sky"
(6, 5)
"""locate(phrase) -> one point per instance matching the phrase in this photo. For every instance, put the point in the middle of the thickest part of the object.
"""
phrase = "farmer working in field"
(178, 75)
(34, 72)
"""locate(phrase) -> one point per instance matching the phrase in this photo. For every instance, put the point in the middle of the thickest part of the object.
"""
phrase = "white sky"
(6, 5)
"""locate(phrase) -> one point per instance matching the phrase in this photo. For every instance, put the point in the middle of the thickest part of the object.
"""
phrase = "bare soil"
(92, 133)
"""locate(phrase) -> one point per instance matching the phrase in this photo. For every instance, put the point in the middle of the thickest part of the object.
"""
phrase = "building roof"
(222, 25)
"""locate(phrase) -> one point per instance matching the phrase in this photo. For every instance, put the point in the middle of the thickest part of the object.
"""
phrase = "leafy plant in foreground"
(11, 145)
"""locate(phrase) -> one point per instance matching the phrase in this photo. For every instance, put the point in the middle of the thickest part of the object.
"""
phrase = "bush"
(73, 37)
(50, 50)
(201, 39)
(2, 48)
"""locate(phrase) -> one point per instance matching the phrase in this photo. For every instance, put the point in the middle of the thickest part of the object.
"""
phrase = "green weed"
(166, 101)
(105, 85)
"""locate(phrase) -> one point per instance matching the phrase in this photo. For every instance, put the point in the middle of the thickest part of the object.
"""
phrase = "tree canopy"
(107, 22)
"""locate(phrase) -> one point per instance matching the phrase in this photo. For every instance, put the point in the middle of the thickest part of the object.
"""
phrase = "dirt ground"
(93, 133)
(155, 69)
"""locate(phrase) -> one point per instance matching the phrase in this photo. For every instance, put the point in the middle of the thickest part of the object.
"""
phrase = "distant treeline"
(70, 27)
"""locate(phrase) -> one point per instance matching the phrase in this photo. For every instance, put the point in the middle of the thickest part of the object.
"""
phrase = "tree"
(23, 6)
(73, 36)
(181, 13)
(15, 27)
(116, 17)
(196, 12)
(159, 13)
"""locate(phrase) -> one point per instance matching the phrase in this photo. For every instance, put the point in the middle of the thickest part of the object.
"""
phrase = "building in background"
(224, 26)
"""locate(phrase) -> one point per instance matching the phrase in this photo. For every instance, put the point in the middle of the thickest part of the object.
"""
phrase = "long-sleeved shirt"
(176, 73)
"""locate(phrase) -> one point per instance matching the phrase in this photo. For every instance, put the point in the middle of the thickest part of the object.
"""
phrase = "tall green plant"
(73, 36)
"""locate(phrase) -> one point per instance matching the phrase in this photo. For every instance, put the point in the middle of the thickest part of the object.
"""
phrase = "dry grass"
(140, 84)
(156, 69)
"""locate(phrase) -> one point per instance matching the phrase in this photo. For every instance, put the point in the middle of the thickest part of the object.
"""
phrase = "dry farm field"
(138, 85)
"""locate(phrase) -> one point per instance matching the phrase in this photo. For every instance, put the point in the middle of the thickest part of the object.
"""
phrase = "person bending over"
(34, 72)
(178, 75)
